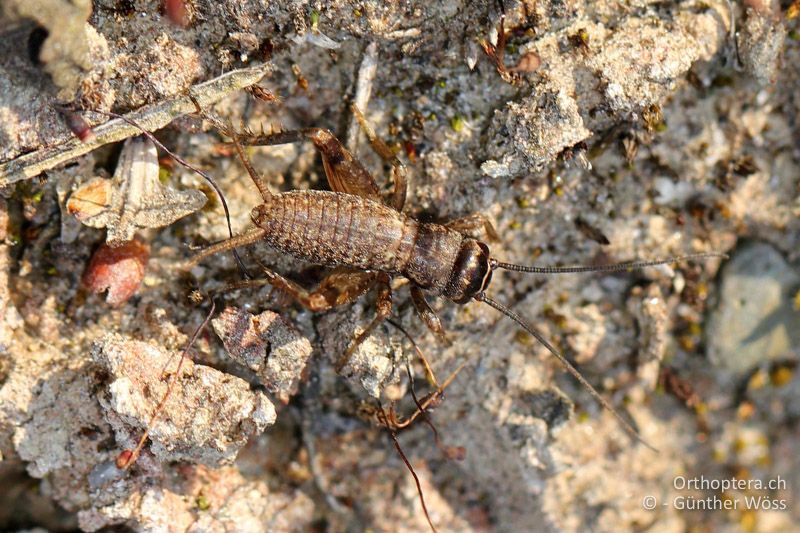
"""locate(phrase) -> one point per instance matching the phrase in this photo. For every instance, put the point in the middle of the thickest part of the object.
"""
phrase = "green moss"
(202, 502)
(523, 338)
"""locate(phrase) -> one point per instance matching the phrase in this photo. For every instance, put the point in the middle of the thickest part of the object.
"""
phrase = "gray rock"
(755, 320)
(761, 41)
(268, 345)
(209, 418)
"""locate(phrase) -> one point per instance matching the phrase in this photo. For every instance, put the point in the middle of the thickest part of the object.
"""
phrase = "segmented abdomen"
(335, 229)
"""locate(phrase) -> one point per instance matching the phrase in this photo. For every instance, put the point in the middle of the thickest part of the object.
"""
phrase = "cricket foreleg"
(337, 288)
(426, 313)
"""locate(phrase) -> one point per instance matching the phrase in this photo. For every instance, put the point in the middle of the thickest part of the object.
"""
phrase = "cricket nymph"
(336, 229)
(368, 240)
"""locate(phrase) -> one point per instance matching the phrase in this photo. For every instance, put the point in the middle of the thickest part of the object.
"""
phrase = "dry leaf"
(134, 198)
(90, 200)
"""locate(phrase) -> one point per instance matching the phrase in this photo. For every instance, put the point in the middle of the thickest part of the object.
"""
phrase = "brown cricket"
(368, 240)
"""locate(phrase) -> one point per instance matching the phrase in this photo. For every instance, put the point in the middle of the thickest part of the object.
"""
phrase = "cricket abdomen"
(337, 229)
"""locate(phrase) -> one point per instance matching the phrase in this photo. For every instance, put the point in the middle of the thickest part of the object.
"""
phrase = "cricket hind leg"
(344, 172)
(340, 287)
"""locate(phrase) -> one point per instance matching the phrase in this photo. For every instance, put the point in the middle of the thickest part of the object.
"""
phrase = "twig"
(151, 117)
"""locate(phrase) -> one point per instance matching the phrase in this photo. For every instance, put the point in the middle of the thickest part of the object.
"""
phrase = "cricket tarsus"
(450, 452)
(128, 457)
(393, 423)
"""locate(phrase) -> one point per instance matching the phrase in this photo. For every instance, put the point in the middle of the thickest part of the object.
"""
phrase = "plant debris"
(134, 198)
(117, 269)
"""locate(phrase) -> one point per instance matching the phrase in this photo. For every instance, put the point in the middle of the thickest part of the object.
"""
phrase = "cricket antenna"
(396, 441)
(616, 267)
(481, 297)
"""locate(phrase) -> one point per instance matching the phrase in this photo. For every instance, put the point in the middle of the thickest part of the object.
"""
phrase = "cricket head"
(471, 274)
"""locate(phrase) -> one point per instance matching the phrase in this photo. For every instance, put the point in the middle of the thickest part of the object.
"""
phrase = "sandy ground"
(604, 132)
